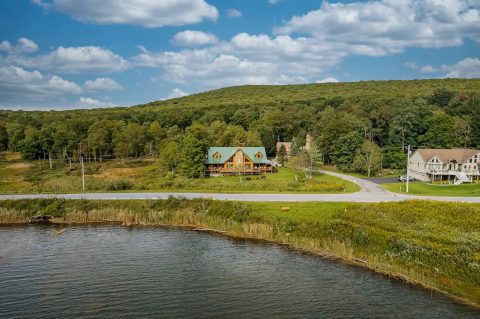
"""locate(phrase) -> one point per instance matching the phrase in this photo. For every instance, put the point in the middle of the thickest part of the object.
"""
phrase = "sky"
(69, 54)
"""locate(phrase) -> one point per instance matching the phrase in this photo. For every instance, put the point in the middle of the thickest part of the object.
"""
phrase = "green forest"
(357, 126)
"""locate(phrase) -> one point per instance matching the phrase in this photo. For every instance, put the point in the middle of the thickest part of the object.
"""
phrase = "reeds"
(429, 243)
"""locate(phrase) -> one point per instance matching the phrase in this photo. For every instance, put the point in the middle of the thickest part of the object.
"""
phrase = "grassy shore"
(433, 244)
(146, 175)
(419, 188)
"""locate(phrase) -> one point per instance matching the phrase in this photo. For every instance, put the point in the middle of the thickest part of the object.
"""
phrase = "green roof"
(227, 152)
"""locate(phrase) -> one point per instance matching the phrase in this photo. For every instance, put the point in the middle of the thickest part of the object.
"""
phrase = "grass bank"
(433, 244)
(419, 188)
(148, 176)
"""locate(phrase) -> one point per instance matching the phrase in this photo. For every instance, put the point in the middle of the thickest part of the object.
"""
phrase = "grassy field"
(147, 176)
(419, 188)
(430, 243)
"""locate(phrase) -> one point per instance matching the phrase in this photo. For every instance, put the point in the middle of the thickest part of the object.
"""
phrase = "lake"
(101, 271)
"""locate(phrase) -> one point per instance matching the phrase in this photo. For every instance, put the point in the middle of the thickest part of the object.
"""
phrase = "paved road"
(383, 180)
(370, 192)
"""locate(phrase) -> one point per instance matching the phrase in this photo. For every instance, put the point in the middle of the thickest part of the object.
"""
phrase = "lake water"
(118, 272)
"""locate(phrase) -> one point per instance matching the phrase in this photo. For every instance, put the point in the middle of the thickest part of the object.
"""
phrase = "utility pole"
(83, 174)
(408, 165)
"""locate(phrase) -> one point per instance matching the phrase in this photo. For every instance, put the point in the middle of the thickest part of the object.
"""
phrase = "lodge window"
(230, 160)
(248, 166)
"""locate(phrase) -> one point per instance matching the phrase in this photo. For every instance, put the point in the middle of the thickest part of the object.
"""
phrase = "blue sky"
(66, 54)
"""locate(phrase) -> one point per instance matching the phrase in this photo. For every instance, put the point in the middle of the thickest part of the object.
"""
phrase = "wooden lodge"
(226, 161)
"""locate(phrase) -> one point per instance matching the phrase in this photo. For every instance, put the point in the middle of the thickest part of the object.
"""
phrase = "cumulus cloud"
(428, 69)
(19, 84)
(411, 65)
(245, 59)
(176, 93)
(384, 27)
(193, 38)
(373, 28)
(467, 68)
(273, 1)
(24, 45)
(102, 84)
(328, 80)
(145, 13)
(75, 60)
(233, 13)
(92, 103)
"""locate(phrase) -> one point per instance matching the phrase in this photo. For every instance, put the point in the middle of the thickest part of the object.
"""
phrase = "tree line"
(361, 131)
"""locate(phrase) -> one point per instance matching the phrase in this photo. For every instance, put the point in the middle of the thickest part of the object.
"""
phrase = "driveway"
(386, 180)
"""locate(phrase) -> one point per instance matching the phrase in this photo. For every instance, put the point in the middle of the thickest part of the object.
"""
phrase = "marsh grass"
(428, 243)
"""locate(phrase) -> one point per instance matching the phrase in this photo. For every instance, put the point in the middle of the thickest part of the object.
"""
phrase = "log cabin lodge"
(226, 161)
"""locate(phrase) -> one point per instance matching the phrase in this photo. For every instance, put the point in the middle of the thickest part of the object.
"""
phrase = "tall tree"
(282, 155)
(368, 158)
(441, 132)
(191, 158)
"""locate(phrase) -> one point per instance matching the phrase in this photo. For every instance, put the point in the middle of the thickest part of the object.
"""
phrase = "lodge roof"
(461, 155)
(227, 152)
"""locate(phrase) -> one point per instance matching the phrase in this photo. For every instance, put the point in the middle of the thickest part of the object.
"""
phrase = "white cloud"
(24, 45)
(273, 1)
(328, 80)
(95, 103)
(193, 38)
(244, 60)
(102, 84)
(373, 28)
(176, 93)
(428, 69)
(467, 68)
(384, 27)
(411, 65)
(19, 84)
(145, 13)
(233, 13)
(75, 60)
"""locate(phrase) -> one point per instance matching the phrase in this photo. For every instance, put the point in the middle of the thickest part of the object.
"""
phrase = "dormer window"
(258, 155)
(216, 155)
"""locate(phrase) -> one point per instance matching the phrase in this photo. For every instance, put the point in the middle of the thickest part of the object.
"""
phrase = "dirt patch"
(20, 166)
(116, 173)
(11, 156)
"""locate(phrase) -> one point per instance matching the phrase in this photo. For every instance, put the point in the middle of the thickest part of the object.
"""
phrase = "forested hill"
(347, 121)
(312, 93)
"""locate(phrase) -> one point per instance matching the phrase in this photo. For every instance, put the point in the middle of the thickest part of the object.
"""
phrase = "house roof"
(459, 154)
(227, 152)
(279, 144)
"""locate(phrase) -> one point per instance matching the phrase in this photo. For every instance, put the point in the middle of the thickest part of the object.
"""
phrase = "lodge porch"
(221, 171)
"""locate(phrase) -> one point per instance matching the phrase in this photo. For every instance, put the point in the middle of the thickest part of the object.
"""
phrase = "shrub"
(119, 185)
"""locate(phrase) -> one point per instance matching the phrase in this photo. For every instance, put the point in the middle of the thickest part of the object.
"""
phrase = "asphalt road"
(388, 180)
(370, 192)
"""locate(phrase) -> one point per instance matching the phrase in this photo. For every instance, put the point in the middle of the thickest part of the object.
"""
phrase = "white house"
(441, 165)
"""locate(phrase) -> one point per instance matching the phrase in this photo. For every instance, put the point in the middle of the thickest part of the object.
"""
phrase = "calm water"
(115, 272)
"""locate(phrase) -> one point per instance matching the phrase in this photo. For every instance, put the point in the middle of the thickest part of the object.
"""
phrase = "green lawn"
(419, 188)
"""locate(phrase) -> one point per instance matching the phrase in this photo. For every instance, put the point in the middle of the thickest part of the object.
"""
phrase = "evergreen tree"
(282, 155)
(191, 158)
(294, 150)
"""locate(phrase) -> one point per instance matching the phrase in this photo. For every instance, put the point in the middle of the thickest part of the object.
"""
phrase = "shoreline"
(314, 228)
(357, 262)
